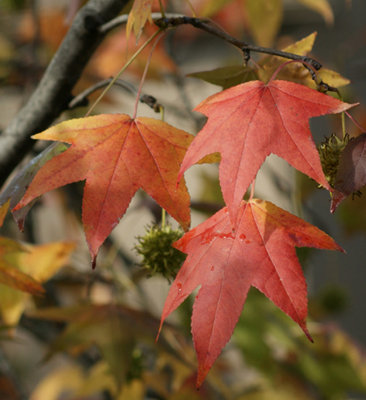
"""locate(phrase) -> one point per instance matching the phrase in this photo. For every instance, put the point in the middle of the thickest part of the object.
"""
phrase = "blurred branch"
(53, 93)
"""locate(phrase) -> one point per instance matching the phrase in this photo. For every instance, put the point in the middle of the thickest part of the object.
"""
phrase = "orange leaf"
(3, 211)
(116, 155)
(260, 252)
(112, 55)
(248, 122)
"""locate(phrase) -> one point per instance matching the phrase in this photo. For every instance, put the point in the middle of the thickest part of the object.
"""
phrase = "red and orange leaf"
(260, 252)
(248, 122)
(116, 155)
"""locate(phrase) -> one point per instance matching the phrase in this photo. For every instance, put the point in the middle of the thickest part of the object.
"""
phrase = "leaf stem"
(163, 212)
(144, 75)
(360, 127)
(163, 218)
(128, 63)
(162, 9)
(308, 66)
(252, 188)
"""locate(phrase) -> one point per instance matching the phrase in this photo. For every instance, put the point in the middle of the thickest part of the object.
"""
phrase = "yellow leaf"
(99, 379)
(43, 261)
(270, 64)
(302, 46)
(73, 381)
(212, 7)
(332, 78)
(264, 18)
(139, 14)
(296, 72)
(63, 380)
(134, 390)
(322, 7)
(37, 264)
(10, 273)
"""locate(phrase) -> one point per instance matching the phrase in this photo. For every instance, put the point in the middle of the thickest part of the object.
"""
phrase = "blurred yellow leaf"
(37, 263)
(134, 390)
(10, 272)
(63, 380)
(98, 380)
(322, 7)
(139, 14)
(211, 7)
(114, 329)
(264, 19)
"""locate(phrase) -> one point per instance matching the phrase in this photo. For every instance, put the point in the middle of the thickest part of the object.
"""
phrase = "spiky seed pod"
(158, 255)
(330, 151)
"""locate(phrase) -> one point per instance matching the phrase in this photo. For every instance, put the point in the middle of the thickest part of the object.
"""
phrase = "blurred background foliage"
(90, 335)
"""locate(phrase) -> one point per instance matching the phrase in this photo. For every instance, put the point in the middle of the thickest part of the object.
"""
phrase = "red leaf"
(248, 122)
(116, 155)
(260, 252)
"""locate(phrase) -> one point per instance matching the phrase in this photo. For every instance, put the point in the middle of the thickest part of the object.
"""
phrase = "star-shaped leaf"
(116, 155)
(226, 262)
(248, 122)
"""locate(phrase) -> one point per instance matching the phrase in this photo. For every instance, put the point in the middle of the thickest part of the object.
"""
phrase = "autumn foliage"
(263, 109)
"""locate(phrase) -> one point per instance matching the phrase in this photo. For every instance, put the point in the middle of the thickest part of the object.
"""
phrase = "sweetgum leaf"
(248, 122)
(116, 155)
(226, 262)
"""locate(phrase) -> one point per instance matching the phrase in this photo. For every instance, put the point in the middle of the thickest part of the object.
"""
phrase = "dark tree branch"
(53, 93)
(205, 25)
(172, 20)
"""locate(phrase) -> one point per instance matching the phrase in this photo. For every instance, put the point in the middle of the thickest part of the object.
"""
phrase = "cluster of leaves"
(248, 243)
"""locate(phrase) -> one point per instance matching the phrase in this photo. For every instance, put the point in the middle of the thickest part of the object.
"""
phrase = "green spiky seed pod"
(158, 255)
(330, 151)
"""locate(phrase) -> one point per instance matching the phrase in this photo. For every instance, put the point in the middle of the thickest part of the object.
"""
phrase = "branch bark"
(53, 92)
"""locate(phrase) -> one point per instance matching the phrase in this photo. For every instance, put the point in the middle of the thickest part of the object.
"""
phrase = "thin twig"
(120, 72)
(82, 99)
(122, 19)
